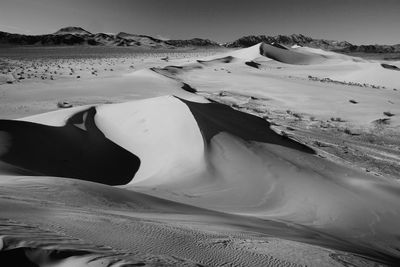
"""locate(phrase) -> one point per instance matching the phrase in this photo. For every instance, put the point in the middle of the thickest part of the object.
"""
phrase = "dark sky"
(357, 21)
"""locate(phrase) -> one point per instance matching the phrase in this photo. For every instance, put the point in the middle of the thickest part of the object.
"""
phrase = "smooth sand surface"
(196, 182)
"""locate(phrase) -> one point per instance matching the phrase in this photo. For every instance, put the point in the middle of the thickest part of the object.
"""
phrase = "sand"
(252, 157)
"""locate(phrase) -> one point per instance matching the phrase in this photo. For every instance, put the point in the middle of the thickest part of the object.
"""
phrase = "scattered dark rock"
(64, 104)
(338, 119)
(385, 121)
(320, 144)
(329, 80)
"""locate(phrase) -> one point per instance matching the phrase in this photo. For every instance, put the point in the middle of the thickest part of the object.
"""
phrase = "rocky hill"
(372, 48)
(294, 39)
(299, 39)
(192, 42)
(72, 30)
(79, 36)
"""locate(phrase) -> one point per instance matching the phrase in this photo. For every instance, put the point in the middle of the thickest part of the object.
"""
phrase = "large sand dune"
(179, 179)
(76, 150)
(211, 156)
(288, 85)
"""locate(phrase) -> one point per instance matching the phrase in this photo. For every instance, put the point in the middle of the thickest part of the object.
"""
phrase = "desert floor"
(211, 190)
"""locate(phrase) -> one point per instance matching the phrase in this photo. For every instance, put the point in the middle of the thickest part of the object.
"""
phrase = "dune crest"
(77, 150)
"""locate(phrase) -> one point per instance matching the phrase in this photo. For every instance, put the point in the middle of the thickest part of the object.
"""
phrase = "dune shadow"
(77, 150)
(289, 56)
(253, 64)
(227, 59)
(278, 45)
(390, 67)
(33, 257)
(213, 118)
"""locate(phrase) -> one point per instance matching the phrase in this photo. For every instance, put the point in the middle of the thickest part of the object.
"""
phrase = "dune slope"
(211, 156)
(77, 150)
(199, 182)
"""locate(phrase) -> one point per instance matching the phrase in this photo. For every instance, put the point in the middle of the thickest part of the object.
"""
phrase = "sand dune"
(275, 52)
(145, 230)
(211, 156)
(201, 173)
(350, 78)
(77, 150)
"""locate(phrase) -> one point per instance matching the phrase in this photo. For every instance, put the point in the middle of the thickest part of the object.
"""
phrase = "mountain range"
(79, 36)
(299, 39)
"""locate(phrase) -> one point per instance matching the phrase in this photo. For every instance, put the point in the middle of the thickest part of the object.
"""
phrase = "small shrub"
(347, 131)
(297, 115)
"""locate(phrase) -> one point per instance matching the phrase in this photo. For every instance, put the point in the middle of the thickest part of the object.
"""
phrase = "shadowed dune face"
(36, 257)
(390, 67)
(77, 150)
(252, 64)
(290, 57)
(226, 119)
(180, 69)
(277, 45)
(227, 59)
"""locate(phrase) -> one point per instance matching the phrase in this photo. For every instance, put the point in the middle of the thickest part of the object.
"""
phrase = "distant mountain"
(48, 39)
(372, 48)
(192, 42)
(79, 36)
(72, 30)
(128, 39)
(294, 39)
(299, 39)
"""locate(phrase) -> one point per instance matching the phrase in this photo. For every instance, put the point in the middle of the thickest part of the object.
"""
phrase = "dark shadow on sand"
(77, 150)
(227, 59)
(390, 67)
(214, 118)
(253, 64)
